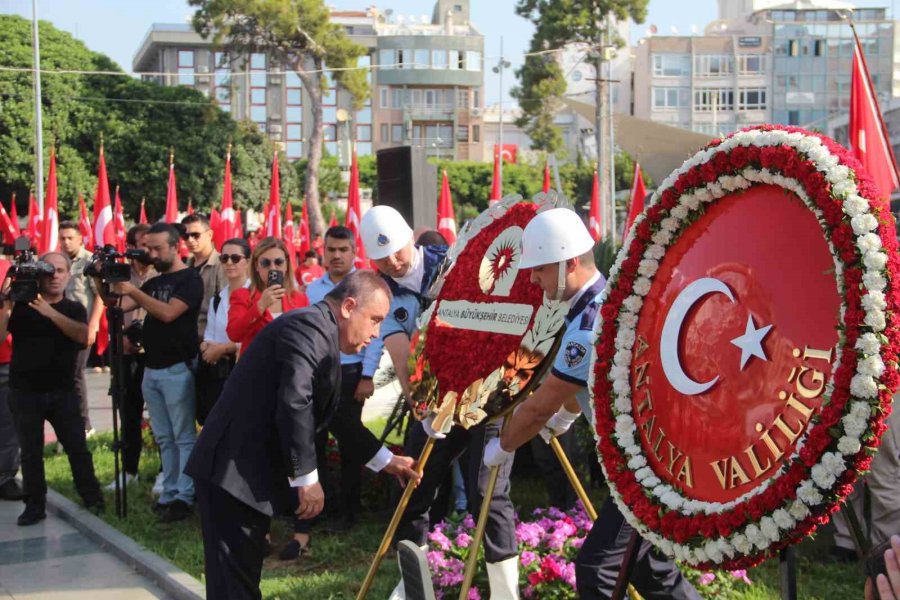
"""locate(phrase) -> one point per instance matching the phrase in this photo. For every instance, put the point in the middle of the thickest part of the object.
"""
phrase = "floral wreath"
(841, 438)
(472, 386)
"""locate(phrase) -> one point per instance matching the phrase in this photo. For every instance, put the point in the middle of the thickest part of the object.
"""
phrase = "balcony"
(429, 112)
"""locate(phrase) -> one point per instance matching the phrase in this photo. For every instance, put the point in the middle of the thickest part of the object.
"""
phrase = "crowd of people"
(214, 341)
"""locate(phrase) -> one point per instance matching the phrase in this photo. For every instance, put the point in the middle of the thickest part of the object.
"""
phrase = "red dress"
(244, 318)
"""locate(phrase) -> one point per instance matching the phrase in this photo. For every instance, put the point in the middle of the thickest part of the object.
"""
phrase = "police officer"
(558, 249)
(409, 271)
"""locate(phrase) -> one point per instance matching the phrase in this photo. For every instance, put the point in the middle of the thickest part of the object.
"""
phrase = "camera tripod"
(115, 318)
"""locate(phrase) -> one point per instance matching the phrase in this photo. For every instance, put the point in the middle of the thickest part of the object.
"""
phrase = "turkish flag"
(104, 228)
(238, 230)
(273, 210)
(334, 221)
(288, 234)
(171, 196)
(50, 235)
(868, 136)
(10, 232)
(305, 238)
(508, 152)
(227, 215)
(638, 191)
(595, 217)
(143, 218)
(546, 186)
(35, 221)
(190, 209)
(497, 183)
(14, 216)
(215, 224)
(119, 224)
(446, 221)
(354, 214)
(84, 224)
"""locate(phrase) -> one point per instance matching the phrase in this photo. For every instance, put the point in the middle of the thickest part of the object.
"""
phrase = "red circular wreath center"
(764, 355)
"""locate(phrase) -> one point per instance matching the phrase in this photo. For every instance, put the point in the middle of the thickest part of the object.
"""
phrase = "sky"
(117, 27)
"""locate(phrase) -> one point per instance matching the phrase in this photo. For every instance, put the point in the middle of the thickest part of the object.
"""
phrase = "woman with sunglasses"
(217, 350)
(271, 293)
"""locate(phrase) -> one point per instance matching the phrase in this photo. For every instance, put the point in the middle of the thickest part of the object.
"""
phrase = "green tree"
(299, 35)
(542, 85)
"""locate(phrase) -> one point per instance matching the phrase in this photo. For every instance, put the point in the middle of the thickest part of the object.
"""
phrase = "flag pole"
(38, 125)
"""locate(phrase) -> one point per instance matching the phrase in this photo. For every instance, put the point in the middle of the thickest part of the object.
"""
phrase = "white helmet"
(553, 236)
(383, 231)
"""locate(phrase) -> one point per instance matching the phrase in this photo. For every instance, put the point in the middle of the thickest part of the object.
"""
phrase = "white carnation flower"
(633, 303)
(860, 409)
(652, 481)
(621, 386)
(874, 300)
(642, 286)
(658, 487)
(662, 237)
(849, 445)
(703, 195)
(619, 372)
(655, 251)
(854, 425)
(624, 339)
(755, 536)
(837, 174)
(622, 403)
(628, 319)
(700, 555)
(799, 510)
(670, 224)
(844, 188)
(864, 223)
(643, 473)
(769, 529)
(783, 519)
(868, 343)
(863, 386)
(855, 205)
(715, 190)
(874, 281)
(808, 493)
(633, 450)
(690, 201)
(822, 477)
(876, 320)
(875, 261)
(648, 267)
(636, 462)
(834, 463)
(872, 366)
(673, 500)
(741, 543)
(868, 242)
(622, 357)
(713, 551)
(679, 212)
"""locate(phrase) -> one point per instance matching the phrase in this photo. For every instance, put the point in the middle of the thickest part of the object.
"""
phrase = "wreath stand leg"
(395, 522)
(395, 420)
(787, 566)
(622, 581)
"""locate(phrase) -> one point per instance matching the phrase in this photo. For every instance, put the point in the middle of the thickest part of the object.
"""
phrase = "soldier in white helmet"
(409, 271)
(558, 249)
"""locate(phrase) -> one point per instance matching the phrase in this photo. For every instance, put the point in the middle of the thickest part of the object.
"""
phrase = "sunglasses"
(235, 258)
(192, 235)
(265, 263)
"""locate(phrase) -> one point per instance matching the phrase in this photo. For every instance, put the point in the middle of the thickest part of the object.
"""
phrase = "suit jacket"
(282, 391)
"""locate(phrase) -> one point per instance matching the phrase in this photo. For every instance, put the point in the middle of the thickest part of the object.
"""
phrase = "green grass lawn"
(339, 562)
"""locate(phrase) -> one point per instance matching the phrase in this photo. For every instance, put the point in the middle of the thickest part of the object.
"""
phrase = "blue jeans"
(169, 394)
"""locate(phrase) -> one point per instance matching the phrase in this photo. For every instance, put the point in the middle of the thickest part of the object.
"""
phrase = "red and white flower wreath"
(840, 440)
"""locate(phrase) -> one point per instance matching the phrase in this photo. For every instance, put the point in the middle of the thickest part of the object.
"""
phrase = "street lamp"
(501, 66)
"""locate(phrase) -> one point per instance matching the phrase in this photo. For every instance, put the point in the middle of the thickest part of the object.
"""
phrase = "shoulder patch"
(574, 354)
(401, 314)
(588, 316)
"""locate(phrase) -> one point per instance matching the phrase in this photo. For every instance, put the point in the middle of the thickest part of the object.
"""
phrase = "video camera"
(103, 264)
(26, 272)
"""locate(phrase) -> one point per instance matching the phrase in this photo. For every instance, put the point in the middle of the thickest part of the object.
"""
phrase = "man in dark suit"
(260, 436)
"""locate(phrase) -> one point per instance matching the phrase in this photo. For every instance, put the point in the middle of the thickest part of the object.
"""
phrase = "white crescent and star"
(751, 343)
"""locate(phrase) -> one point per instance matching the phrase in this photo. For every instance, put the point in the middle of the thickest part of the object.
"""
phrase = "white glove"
(494, 454)
(558, 424)
(429, 430)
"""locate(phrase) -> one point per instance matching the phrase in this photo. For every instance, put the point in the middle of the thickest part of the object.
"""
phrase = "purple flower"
(473, 594)
(468, 522)
(742, 575)
(555, 513)
(527, 557)
(528, 592)
(436, 560)
(707, 578)
(529, 534)
(437, 537)
(569, 574)
(577, 542)
(463, 539)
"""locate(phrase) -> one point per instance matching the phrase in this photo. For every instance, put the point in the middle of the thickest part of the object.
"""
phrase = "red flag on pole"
(10, 231)
(305, 238)
(84, 224)
(869, 139)
(334, 221)
(497, 184)
(273, 211)
(119, 223)
(354, 213)
(595, 217)
(215, 225)
(637, 198)
(104, 228)
(171, 193)
(289, 233)
(50, 234)
(143, 217)
(14, 216)
(34, 223)
(190, 209)
(238, 230)
(227, 216)
(446, 221)
(546, 187)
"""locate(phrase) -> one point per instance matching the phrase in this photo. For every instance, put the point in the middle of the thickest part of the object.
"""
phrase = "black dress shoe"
(177, 511)
(11, 490)
(32, 514)
(159, 508)
(293, 550)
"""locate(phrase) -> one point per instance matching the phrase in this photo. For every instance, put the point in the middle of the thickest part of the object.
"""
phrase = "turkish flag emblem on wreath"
(746, 351)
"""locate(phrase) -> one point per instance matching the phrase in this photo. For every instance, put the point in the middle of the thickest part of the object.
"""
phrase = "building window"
(671, 65)
(222, 81)
(752, 98)
(670, 98)
(476, 98)
(387, 59)
(430, 98)
(396, 133)
(258, 89)
(476, 133)
(707, 99)
(462, 98)
(293, 115)
(258, 70)
(384, 132)
(399, 97)
(185, 67)
(751, 64)
(364, 148)
(421, 58)
(364, 116)
(383, 97)
(462, 133)
(712, 65)
(363, 133)
(404, 59)
(438, 59)
(473, 60)
(329, 97)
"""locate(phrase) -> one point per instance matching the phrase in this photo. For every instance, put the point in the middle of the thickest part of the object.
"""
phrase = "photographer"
(48, 333)
(81, 289)
(132, 407)
(172, 301)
